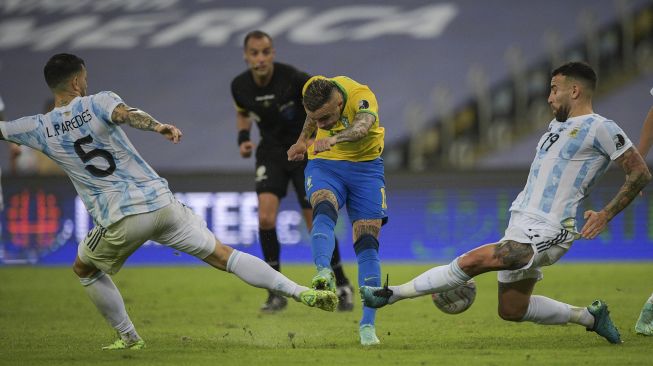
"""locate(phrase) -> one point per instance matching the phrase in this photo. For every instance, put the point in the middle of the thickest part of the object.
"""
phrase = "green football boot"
(603, 325)
(324, 280)
(120, 344)
(322, 299)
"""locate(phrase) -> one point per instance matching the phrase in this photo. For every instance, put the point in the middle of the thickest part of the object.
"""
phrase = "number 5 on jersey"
(95, 153)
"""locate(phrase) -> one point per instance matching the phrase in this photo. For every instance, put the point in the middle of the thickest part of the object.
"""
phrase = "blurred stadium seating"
(462, 85)
(428, 62)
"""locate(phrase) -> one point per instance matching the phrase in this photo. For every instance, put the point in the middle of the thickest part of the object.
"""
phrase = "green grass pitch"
(198, 316)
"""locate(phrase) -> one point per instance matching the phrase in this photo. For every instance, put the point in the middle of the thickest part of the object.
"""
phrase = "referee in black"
(270, 93)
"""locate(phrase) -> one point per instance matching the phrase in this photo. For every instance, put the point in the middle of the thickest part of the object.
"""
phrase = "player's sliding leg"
(107, 299)
(437, 279)
(516, 303)
(325, 216)
(369, 274)
(644, 325)
(257, 273)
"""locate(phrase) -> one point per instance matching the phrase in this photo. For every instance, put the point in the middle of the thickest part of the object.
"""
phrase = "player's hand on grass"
(170, 132)
(595, 224)
(297, 151)
(246, 149)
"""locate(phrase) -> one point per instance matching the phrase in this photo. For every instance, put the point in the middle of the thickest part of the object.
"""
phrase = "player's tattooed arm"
(143, 121)
(298, 149)
(359, 128)
(637, 177)
(134, 117)
(308, 130)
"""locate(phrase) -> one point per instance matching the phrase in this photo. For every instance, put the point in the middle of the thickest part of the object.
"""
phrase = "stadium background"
(462, 88)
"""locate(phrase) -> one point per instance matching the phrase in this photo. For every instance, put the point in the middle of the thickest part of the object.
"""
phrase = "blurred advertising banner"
(430, 220)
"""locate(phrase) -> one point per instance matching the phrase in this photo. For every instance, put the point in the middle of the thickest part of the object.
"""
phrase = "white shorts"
(174, 225)
(549, 244)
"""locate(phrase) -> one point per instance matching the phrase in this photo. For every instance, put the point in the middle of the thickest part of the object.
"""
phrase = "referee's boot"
(274, 303)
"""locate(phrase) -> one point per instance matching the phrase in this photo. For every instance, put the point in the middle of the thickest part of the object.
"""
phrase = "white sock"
(543, 310)
(437, 279)
(107, 299)
(257, 273)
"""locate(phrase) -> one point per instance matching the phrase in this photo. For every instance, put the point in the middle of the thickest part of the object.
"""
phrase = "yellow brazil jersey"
(358, 98)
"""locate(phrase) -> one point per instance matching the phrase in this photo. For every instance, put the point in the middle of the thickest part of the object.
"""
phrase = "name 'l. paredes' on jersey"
(566, 165)
(111, 177)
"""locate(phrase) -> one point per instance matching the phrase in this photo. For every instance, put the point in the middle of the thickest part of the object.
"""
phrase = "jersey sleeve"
(21, 131)
(238, 104)
(103, 104)
(611, 140)
(364, 101)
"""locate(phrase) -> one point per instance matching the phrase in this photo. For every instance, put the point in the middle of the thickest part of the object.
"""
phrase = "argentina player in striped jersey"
(570, 157)
(129, 202)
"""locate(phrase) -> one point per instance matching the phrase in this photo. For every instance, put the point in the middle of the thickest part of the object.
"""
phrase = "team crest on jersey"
(574, 132)
(619, 141)
(363, 104)
(345, 121)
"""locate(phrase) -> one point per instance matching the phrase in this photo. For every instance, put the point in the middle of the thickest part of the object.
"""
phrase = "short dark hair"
(257, 34)
(318, 93)
(578, 70)
(60, 68)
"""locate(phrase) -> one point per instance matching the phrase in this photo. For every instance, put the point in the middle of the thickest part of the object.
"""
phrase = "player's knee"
(82, 270)
(512, 313)
(472, 263)
(323, 212)
(267, 221)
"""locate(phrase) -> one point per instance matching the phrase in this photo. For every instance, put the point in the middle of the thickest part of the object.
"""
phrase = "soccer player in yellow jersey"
(345, 168)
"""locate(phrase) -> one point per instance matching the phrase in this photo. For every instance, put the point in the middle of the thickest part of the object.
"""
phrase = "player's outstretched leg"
(257, 273)
(603, 325)
(644, 325)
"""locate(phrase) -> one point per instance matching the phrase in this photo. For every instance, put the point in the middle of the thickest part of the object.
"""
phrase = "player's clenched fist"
(297, 152)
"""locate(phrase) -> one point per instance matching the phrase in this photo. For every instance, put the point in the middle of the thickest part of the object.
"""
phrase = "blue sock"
(369, 270)
(322, 236)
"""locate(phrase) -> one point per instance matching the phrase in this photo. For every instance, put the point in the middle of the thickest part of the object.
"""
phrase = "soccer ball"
(457, 300)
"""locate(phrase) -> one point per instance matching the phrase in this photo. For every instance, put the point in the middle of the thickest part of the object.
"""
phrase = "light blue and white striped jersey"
(110, 176)
(569, 159)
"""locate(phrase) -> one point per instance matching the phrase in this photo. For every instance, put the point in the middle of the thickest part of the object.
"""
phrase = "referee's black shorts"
(274, 171)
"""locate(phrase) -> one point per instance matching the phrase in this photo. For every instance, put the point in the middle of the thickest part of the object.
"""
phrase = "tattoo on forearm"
(308, 130)
(512, 254)
(359, 128)
(638, 176)
(141, 120)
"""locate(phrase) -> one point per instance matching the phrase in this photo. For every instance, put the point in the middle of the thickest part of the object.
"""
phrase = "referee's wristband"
(243, 136)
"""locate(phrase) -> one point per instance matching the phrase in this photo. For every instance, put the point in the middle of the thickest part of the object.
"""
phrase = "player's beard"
(562, 113)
